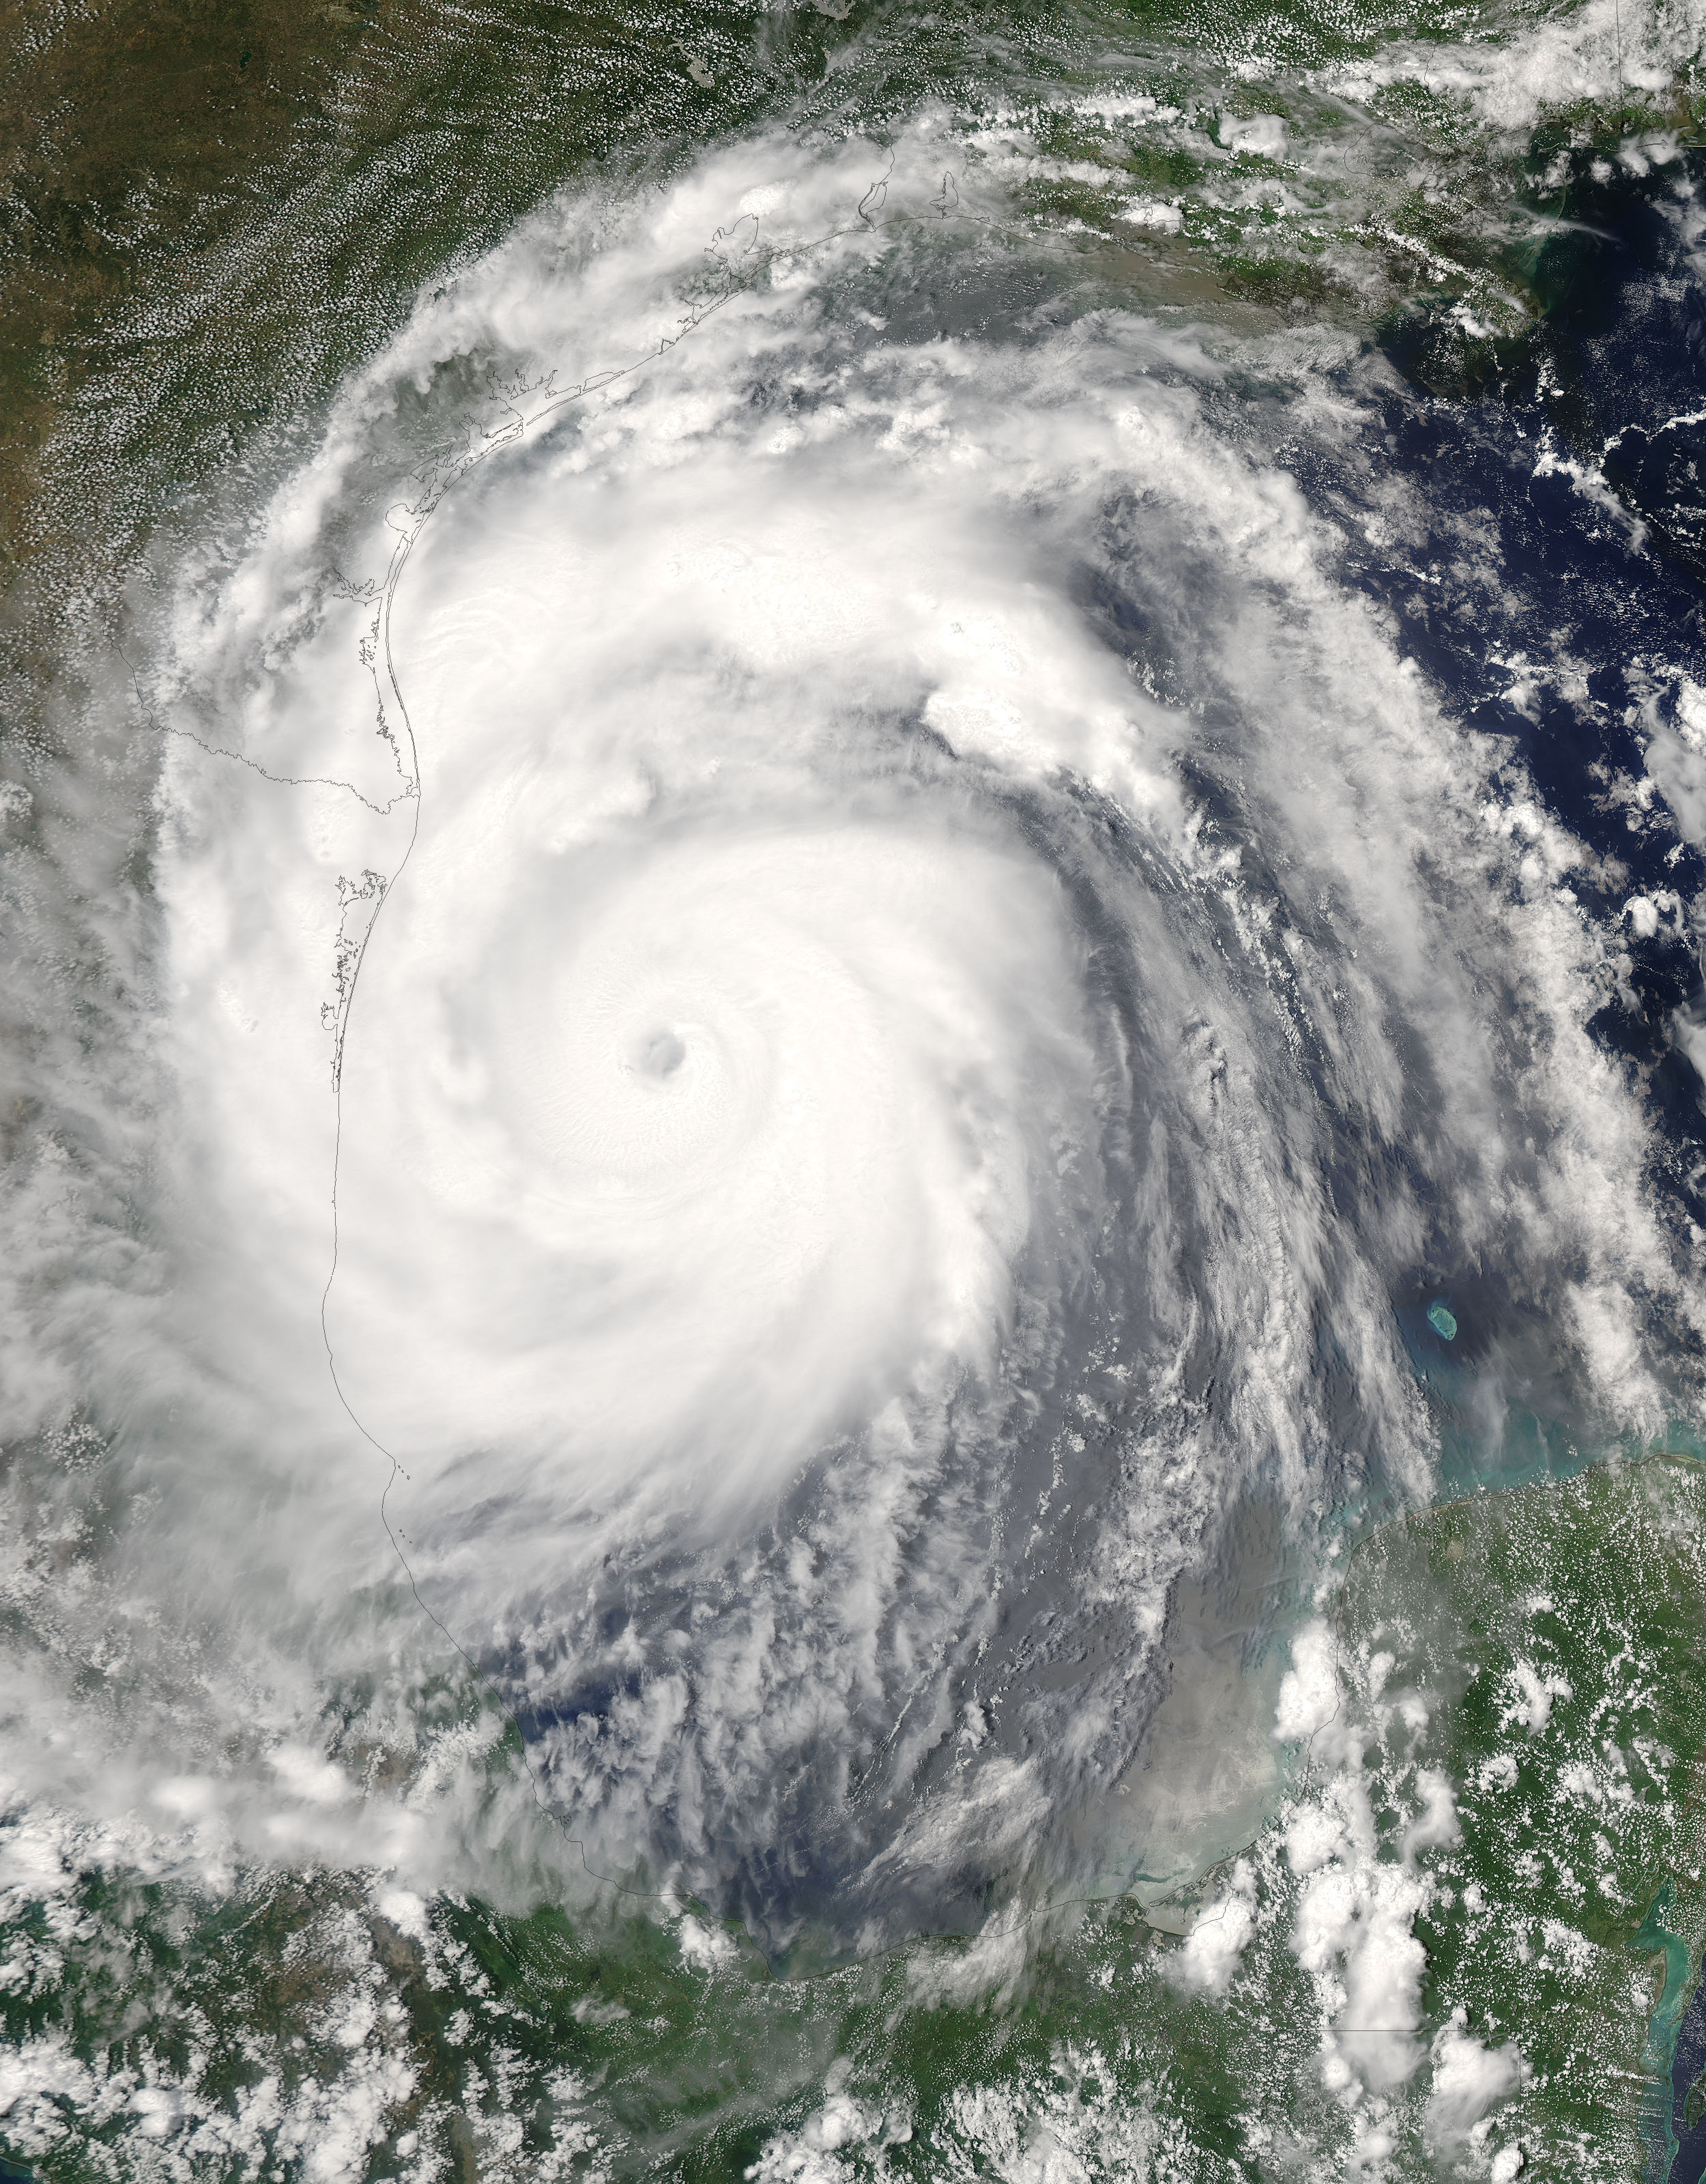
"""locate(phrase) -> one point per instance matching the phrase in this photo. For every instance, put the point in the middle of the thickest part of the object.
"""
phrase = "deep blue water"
(1481, 431)
(1689, 2165)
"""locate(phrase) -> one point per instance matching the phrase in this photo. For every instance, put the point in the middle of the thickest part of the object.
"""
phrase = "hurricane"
(877, 995)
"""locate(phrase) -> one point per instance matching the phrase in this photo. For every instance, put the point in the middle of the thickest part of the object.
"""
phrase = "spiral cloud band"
(895, 983)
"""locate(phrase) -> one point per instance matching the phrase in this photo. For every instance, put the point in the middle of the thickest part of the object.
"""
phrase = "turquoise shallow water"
(1663, 2026)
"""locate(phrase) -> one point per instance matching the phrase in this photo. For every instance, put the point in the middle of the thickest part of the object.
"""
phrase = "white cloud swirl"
(910, 970)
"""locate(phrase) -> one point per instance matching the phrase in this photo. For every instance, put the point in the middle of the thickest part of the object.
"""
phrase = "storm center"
(660, 1053)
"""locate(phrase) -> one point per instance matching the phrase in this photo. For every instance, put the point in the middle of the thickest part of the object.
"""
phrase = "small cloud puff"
(705, 1948)
(1309, 1693)
(1437, 1821)
(1468, 2078)
(1214, 1949)
(1531, 1705)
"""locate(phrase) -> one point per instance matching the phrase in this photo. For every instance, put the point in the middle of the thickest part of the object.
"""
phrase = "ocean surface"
(854, 1320)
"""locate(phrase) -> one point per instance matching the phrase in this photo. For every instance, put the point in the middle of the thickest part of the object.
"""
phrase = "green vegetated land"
(1543, 1652)
(214, 207)
(1563, 1629)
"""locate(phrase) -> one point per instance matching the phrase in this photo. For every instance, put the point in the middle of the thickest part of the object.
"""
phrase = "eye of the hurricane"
(659, 1054)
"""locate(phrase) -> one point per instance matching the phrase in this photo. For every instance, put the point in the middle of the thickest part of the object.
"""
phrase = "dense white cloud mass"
(889, 974)
(712, 1152)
